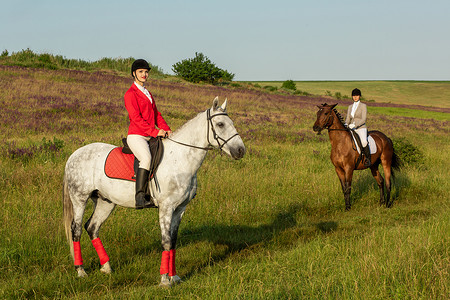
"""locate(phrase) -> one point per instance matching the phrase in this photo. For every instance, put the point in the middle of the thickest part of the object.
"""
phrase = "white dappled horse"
(184, 152)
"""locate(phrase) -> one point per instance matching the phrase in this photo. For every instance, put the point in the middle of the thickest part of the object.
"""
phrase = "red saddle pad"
(119, 165)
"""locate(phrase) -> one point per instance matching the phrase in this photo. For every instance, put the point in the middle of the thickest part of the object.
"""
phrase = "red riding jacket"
(143, 114)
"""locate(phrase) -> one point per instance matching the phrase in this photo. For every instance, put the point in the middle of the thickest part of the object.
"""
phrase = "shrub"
(5, 53)
(289, 85)
(270, 88)
(299, 92)
(200, 69)
(407, 152)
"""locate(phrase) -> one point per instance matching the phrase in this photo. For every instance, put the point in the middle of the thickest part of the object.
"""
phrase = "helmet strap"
(137, 79)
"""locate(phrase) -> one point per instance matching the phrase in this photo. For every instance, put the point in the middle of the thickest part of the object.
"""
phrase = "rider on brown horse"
(356, 121)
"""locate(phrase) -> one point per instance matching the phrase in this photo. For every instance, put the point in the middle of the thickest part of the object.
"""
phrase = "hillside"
(423, 93)
(270, 226)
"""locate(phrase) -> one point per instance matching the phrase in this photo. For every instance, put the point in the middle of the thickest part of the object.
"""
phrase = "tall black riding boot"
(141, 188)
(367, 161)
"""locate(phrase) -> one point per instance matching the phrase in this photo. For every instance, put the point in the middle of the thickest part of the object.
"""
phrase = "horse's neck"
(337, 132)
(185, 158)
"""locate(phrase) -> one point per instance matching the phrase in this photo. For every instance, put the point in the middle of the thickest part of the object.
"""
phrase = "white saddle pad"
(372, 145)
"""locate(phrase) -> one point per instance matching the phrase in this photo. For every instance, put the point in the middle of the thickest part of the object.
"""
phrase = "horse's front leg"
(346, 183)
(170, 221)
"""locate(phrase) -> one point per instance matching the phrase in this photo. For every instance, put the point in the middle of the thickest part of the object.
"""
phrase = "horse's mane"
(340, 118)
(339, 115)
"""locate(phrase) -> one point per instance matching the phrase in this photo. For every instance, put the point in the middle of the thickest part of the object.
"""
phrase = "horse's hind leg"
(77, 228)
(380, 181)
(103, 209)
(387, 174)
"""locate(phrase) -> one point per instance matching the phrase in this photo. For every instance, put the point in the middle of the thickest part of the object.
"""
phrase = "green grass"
(408, 112)
(269, 226)
(426, 93)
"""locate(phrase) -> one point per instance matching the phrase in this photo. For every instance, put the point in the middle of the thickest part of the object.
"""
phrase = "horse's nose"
(316, 128)
(238, 153)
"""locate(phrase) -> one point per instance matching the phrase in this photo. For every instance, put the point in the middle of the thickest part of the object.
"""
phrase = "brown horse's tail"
(396, 162)
(68, 214)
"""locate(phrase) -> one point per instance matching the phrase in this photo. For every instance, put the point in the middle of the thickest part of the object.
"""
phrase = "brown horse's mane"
(339, 116)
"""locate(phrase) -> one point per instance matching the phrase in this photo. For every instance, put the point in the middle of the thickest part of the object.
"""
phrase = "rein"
(216, 136)
(351, 132)
(192, 146)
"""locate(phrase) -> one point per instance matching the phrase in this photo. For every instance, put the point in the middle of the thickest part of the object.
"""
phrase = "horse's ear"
(215, 103)
(224, 105)
(332, 106)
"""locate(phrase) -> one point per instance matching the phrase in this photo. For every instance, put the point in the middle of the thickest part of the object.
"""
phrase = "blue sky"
(255, 40)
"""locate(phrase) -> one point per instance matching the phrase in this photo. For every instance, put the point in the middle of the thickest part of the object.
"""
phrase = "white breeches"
(362, 132)
(139, 145)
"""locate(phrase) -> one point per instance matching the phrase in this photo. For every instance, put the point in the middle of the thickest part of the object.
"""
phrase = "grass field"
(425, 93)
(270, 226)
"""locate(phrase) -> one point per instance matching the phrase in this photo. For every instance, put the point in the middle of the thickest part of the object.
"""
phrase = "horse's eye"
(220, 125)
(326, 113)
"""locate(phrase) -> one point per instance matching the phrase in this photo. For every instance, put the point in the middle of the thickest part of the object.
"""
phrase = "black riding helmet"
(356, 92)
(139, 64)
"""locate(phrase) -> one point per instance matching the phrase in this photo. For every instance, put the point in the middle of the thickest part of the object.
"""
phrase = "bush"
(299, 92)
(289, 85)
(200, 69)
(270, 88)
(407, 152)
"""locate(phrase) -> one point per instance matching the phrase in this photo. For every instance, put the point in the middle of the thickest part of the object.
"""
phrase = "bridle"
(328, 126)
(217, 138)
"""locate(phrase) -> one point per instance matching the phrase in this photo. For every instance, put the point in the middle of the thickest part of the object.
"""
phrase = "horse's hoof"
(175, 279)
(165, 281)
(106, 268)
(81, 272)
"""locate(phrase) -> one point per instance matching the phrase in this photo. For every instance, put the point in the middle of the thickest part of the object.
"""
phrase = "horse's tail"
(396, 162)
(68, 214)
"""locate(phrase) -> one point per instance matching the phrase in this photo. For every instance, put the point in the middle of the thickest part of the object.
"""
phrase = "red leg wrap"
(100, 251)
(78, 260)
(164, 263)
(172, 271)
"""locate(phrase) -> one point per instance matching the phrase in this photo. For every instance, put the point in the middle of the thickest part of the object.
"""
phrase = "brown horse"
(345, 157)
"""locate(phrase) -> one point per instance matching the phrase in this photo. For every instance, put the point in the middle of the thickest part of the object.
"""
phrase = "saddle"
(122, 164)
(370, 142)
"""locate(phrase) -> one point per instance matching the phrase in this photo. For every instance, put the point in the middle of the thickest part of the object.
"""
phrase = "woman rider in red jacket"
(145, 122)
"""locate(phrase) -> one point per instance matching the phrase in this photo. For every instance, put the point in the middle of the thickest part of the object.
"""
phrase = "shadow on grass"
(241, 240)
(209, 244)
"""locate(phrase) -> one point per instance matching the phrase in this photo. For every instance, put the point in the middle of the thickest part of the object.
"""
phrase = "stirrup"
(144, 202)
